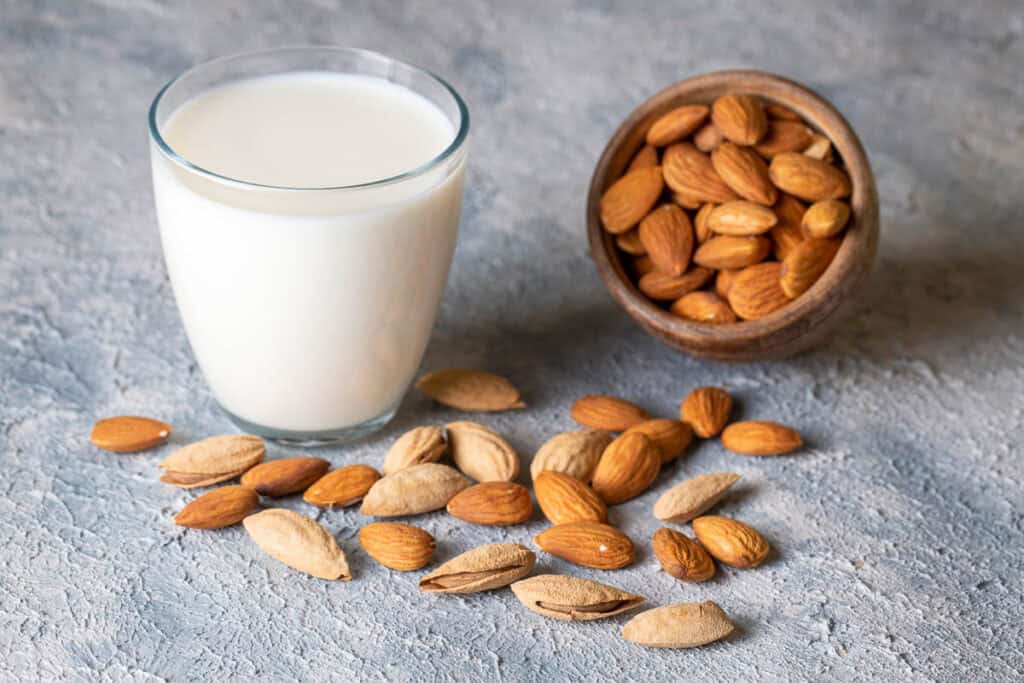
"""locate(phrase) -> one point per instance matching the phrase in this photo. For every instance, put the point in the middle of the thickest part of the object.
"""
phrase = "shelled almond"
(730, 198)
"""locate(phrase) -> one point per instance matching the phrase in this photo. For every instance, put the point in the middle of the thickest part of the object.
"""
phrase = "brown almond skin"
(755, 437)
(342, 487)
(628, 467)
(681, 556)
(667, 237)
(481, 569)
(607, 412)
(129, 433)
(808, 178)
(704, 307)
(688, 170)
(671, 437)
(663, 287)
(676, 124)
(565, 499)
(745, 172)
(218, 508)
(630, 243)
(741, 218)
(825, 219)
(630, 198)
(784, 136)
(492, 503)
(787, 234)
(730, 541)
(588, 544)
(397, 546)
(645, 158)
(741, 118)
(757, 292)
(283, 477)
(805, 264)
(728, 252)
(707, 410)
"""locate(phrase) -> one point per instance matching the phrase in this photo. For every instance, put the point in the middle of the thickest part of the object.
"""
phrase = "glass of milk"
(308, 202)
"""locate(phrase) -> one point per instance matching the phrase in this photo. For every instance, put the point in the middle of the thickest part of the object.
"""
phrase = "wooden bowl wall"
(806, 320)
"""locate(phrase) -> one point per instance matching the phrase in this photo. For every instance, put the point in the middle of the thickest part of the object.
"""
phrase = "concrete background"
(898, 533)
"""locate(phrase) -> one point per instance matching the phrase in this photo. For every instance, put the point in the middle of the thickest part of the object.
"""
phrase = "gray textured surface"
(899, 533)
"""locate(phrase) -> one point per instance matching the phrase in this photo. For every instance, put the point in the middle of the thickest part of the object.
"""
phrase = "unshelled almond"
(805, 264)
(397, 546)
(573, 599)
(681, 625)
(707, 410)
(741, 218)
(607, 412)
(278, 478)
(493, 503)
(630, 198)
(667, 236)
(129, 433)
(755, 437)
(689, 170)
(663, 287)
(481, 569)
(756, 291)
(413, 491)
(745, 172)
(470, 390)
(212, 460)
(784, 136)
(730, 541)
(825, 219)
(670, 437)
(808, 178)
(741, 118)
(589, 544)
(676, 124)
(343, 487)
(481, 453)
(218, 508)
(693, 497)
(415, 447)
(565, 499)
(729, 252)
(645, 158)
(681, 556)
(573, 453)
(299, 542)
(627, 468)
(703, 307)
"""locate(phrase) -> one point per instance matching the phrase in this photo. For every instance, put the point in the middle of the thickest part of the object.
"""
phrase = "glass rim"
(457, 142)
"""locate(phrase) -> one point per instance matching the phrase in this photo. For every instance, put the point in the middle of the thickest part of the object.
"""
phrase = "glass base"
(330, 437)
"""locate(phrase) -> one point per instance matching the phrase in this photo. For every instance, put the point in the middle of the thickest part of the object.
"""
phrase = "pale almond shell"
(470, 390)
(574, 453)
(570, 598)
(678, 626)
(693, 497)
(413, 491)
(481, 569)
(481, 453)
(298, 542)
(415, 447)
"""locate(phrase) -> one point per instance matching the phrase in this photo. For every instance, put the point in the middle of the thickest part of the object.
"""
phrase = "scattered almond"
(667, 237)
(730, 541)
(681, 556)
(397, 546)
(565, 499)
(630, 198)
(573, 599)
(413, 491)
(741, 118)
(682, 625)
(470, 390)
(693, 497)
(676, 124)
(741, 218)
(589, 544)
(704, 307)
(573, 453)
(343, 487)
(480, 569)
(481, 453)
(757, 291)
(212, 460)
(607, 412)
(278, 478)
(707, 410)
(745, 172)
(415, 447)
(493, 503)
(218, 508)
(129, 433)
(627, 468)
(761, 438)
(670, 437)
(299, 542)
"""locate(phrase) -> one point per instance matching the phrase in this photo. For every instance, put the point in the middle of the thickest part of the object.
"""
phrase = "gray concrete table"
(899, 534)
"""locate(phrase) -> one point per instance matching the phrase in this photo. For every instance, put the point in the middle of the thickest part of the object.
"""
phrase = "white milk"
(308, 310)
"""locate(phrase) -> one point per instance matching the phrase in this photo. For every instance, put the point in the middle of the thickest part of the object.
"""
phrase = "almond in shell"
(397, 546)
(573, 599)
(481, 453)
(630, 198)
(470, 390)
(663, 287)
(689, 170)
(343, 487)
(729, 252)
(574, 453)
(681, 556)
(808, 178)
(758, 437)
(565, 499)
(745, 172)
(598, 411)
(492, 503)
(413, 491)
(741, 118)
(218, 508)
(212, 460)
(299, 542)
(129, 433)
(805, 265)
(741, 218)
(707, 410)
(627, 468)
(730, 541)
(704, 307)
(693, 497)
(667, 237)
(481, 569)
(681, 625)
(278, 478)
(670, 437)
(757, 291)
(415, 447)
(588, 544)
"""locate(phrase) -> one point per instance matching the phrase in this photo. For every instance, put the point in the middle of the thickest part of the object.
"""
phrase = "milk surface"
(308, 310)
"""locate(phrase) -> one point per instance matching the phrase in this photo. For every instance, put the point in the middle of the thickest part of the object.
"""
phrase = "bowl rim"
(768, 335)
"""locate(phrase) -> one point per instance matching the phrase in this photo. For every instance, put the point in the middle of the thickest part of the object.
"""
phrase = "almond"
(676, 124)
(647, 157)
(681, 625)
(682, 557)
(700, 223)
(728, 252)
(820, 148)
(689, 170)
(607, 412)
(481, 569)
(573, 453)
(397, 546)
(756, 291)
(741, 218)
(784, 136)
(745, 172)
(670, 437)
(777, 111)
(723, 281)
(299, 542)
(282, 477)
(825, 219)
(730, 541)
(470, 390)
(481, 453)
(493, 503)
(704, 307)
(218, 508)
(805, 265)
(573, 599)
(741, 118)
(643, 265)
(808, 178)
(687, 199)
(588, 544)
(786, 234)
(761, 438)
(129, 433)
(627, 468)
(630, 198)
(413, 491)
(708, 137)
(707, 410)
(212, 460)
(662, 287)
(667, 237)
(630, 243)
(693, 497)
(415, 447)
(565, 499)
(342, 487)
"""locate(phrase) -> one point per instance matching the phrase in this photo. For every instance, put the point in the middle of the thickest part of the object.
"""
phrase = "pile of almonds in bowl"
(470, 470)
(730, 211)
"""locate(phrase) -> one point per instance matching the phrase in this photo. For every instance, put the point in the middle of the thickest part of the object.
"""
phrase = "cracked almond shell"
(570, 598)
(481, 569)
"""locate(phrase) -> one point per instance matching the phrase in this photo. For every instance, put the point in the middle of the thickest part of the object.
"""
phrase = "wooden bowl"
(806, 320)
